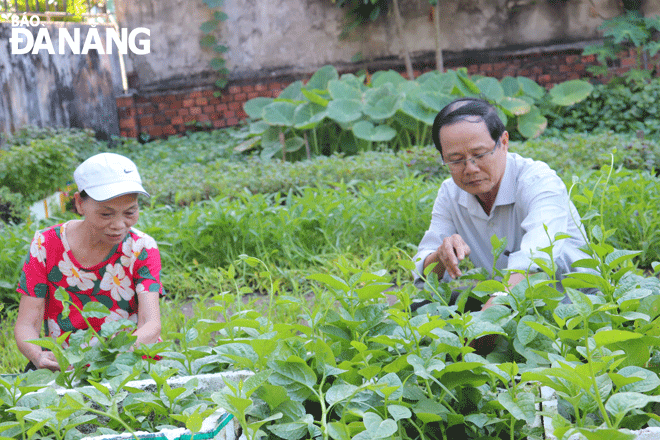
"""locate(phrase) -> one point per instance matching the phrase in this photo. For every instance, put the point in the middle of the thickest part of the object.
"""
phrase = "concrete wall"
(288, 37)
(70, 90)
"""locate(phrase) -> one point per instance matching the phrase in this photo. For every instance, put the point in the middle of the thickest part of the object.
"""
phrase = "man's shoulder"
(534, 177)
(529, 169)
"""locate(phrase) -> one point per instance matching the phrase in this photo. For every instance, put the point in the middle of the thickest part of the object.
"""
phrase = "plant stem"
(599, 399)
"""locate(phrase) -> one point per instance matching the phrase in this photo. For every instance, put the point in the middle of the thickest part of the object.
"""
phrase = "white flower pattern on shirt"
(116, 315)
(117, 283)
(75, 277)
(131, 250)
(54, 331)
(37, 248)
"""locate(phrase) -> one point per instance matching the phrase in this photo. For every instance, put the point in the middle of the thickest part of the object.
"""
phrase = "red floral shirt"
(132, 267)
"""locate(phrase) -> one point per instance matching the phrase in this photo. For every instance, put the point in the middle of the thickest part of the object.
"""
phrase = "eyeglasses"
(479, 159)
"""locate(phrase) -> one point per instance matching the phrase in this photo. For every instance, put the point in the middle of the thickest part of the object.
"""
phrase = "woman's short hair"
(467, 109)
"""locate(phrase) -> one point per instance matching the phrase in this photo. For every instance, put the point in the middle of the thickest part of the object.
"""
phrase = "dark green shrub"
(622, 108)
(38, 169)
(13, 208)
(572, 152)
(81, 141)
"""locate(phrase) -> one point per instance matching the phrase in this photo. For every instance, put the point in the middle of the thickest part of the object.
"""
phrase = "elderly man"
(493, 192)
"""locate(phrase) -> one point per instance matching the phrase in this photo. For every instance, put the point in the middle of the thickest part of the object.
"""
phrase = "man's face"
(465, 140)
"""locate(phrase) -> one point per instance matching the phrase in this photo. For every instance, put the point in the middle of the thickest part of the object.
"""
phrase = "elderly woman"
(99, 258)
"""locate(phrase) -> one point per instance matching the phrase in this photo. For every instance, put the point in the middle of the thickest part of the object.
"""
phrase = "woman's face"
(110, 220)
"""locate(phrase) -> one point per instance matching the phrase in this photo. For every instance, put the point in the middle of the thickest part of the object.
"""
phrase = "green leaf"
(434, 101)
(315, 98)
(515, 106)
(330, 280)
(604, 434)
(294, 430)
(399, 412)
(207, 41)
(621, 404)
(417, 112)
(468, 86)
(95, 309)
(543, 329)
(321, 78)
(220, 16)
(293, 92)
(294, 144)
(220, 48)
(422, 369)
(490, 88)
(382, 108)
(344, 110)
(520, 406)
(279, 113)
(613, 336)
(570, 92)
(209, 26)
(339, 431)
(195, 420)
(339, 392)
(526, 333)
(511, 86)
(376, 428)
(367, 131)
(619, 256)
(308, 115)
(343, 90)
(531, 88)
(217, 63)
(383, 77)
(297, 377)
(532, 124)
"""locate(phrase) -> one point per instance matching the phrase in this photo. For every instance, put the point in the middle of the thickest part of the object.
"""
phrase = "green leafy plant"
(621, 108)
(12, 206)
(33, 170)
(353, 115)
(620, 33)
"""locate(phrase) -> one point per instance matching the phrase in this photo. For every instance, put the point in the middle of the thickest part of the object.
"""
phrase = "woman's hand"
(148, 326)
(29, 322)
(46, 359)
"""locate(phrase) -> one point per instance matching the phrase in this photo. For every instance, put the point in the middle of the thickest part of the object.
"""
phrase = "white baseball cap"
(108, 175)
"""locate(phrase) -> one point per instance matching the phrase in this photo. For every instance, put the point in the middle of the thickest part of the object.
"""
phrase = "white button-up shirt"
(530, 196)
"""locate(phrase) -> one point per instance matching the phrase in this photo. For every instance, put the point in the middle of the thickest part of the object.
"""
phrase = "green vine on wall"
(218, 63)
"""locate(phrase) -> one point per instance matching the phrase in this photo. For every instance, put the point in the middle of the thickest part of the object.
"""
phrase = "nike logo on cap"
(128, 171)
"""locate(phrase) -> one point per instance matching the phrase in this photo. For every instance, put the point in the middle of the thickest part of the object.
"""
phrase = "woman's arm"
(148, 330)
(28, 326)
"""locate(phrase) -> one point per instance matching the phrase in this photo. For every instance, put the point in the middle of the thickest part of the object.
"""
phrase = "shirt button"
(490, 224)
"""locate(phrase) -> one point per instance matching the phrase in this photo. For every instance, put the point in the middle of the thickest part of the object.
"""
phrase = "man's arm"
(547, 211)
(441, 228)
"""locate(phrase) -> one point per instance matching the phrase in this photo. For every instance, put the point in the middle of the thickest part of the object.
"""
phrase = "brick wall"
(162, 114)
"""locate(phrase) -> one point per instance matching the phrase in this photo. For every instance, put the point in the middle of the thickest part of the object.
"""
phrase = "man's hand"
(451, 252)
